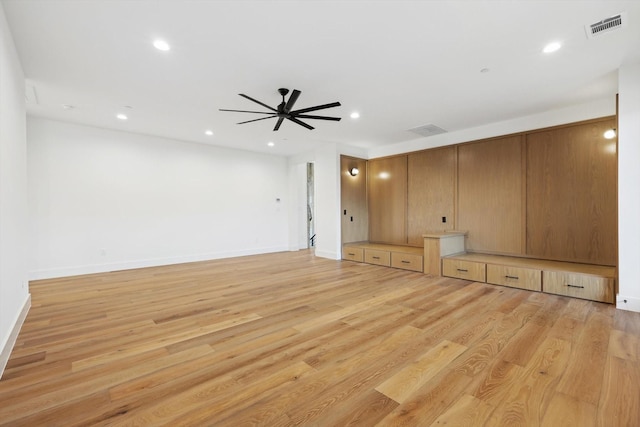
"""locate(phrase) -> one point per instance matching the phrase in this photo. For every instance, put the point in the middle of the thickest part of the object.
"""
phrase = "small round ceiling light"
(121, 116)
(355, 115)
(552, 47)
(208, 132)
(270, 144)
(610, 134)
(161, 45)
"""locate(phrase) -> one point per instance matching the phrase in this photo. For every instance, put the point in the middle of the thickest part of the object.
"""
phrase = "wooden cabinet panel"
(468, 270)
(579, 286)
(388, 200)
(353, 200)
(515, 277)
(406, 261)
(352, 253)
(490, 195)
(571, 194)
(373, 256)
(430, 192)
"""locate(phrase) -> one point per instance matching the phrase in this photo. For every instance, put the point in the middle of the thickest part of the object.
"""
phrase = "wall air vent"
(606, 25)
(427, 130)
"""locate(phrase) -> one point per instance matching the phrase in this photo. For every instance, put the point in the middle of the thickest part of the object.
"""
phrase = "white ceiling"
(401, 64)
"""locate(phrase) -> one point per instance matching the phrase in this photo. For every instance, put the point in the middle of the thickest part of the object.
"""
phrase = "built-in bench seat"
(397, 256)
(587, 281)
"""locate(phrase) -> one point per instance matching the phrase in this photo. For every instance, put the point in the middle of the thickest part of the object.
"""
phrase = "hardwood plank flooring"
(289, 339)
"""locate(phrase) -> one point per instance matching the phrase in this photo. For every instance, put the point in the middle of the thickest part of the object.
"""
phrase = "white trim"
(5, 352)
(153, 262)
(628, 303)
(327, 254)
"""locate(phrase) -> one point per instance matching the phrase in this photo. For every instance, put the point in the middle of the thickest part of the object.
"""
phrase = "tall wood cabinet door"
(490, 195)
(571, 194)
(353, 200)
(431, 192)
(388, 200)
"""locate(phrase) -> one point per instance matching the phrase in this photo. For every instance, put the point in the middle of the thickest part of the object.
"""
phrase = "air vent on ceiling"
(427, 130)
(606, 25)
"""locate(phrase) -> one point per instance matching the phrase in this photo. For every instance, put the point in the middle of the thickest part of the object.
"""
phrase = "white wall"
(575, 113)
(629, 188)
(102, 200)
(14, 292)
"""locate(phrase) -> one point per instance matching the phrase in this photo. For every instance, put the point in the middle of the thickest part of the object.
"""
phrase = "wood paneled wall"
(571, 194)
(431, 192)
(490, 197)
(353, 199)
(388, 200)
(548, 193)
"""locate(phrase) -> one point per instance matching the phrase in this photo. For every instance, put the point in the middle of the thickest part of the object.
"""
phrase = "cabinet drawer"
(464, 269)
(578, 285)
(353, 253)
(406, 261)
(373, 256)
(516, 277)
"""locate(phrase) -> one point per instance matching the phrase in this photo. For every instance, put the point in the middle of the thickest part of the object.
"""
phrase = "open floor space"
(289, 339)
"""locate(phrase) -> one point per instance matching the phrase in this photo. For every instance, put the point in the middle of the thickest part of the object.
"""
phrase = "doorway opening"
(311, 233)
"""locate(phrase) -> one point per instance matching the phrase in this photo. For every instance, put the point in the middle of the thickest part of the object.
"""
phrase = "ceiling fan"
(283, 111)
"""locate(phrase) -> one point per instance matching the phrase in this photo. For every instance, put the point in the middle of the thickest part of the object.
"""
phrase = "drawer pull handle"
(511, 277)
(462, 270)
(406, 262)
(352, 254)
(376, 257)
(574, 286)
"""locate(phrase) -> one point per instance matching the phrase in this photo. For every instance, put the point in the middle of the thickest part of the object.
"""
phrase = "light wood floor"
(290, 339)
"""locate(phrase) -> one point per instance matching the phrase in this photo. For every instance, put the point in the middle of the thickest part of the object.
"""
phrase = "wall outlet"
(444, 219)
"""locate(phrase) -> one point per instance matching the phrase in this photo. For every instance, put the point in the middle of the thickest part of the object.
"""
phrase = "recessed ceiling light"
(208, 132)
(161, 45)
(67, 106)
(355, 115)
(270, 144)
(122, 116)
(552, 47)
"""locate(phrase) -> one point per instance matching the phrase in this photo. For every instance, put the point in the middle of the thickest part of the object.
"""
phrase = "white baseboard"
(5, 352)
(628, 303)
(142, 263)
(327, 254)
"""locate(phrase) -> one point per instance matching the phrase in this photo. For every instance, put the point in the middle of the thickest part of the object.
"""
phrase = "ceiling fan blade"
(278, 123)
(292, 100)
(306, 116)
(255, 120)
(245, 111)
(257, 102)
(317, 107)
(293, 119)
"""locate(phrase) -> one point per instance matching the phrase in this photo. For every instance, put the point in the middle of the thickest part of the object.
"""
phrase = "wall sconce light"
(354, 171)
(610, 134)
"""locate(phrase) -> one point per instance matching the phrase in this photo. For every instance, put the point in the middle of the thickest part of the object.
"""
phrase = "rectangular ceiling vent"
(427, 130)
(606, 25)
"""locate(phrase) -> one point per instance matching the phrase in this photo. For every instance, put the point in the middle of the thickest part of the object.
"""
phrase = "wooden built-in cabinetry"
(490, 195)
(388, 200)
(431, 192)
(548, 194)
(587, 281)
(353, 200)
(397, 256)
